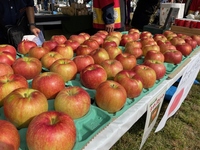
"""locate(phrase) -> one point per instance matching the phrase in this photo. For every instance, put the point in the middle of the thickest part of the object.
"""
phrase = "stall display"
(101, 124)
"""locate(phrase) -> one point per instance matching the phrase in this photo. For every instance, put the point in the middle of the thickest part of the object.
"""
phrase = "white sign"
(153, 111)
(183, 88)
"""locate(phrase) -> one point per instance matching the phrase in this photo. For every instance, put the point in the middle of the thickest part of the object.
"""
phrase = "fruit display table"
(98, 128)
(112, 133)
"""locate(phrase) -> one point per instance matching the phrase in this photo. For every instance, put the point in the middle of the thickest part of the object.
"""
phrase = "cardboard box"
(185, 30)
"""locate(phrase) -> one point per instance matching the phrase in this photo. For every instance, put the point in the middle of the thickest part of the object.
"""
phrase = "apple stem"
(53, 120)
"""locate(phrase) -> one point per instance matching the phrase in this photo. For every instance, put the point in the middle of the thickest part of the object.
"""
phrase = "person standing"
(194, 6)
(143, 13)
(109, 15)
(12, 11)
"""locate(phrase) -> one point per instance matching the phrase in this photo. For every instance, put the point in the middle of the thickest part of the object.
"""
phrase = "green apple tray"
(96, 119)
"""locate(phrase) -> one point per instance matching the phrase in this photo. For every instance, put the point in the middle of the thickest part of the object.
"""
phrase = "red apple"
(192, 42)
(50, 45)
(108, 43)
(49, 58)
(173, 56)
(131, 82)
(60, 39)
(103, 32)
(132, 30)
(93, 75)
(74, 101)
(147, 74)
(64, 67)
(37, 52)
(79, 38)
(61, 131)
(115, 33)
(83, 49)
(97, 38)
(147, 48)
(9, 136)
(25, 103)
(159, 42)
(102, 35)
(159, 37)
(165, 47)
(157, 66)
(167, 33)
(137, 52)
(64, 50)
(177, 40)
(127, 60)
(135, 35)
(112, 67)
(82, 61)
(9, 83)
(110, 96)
(73, 44)
(8, 49)
(113, 51)
(31, 67)
(148, 41)
(49, 83)
(113, 38)
(125, 39)
(184, 48)
(145, 34)
(24, 46)
(86, 35)
(91, 43)
(196, 38)
(7, 54)
(99, 55)
(154, 55)
(5, 69)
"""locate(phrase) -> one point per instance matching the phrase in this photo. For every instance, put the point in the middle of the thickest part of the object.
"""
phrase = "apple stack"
(106, 63)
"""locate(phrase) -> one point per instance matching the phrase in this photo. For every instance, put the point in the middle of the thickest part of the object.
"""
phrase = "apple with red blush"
(37, 52)
(31, 67)
(99, 55)
(9, 136)
(127, 60)
(5, 69)
(49, 58)
(64, 67)
(24, 46)
(64, 50)
(157, 66)
(92, 76)
(196, 38)
(112, 67)
(86, 35)
(60, 39)
(50, 45)
(79, 38)
(49, 83)
(97, 38)
(110, 96)
(184, 48)
(192, 42)
(173, 56)
(154, 55)
(91, 43)
(147, 74)
(84, 49)
(73, 44)
(83, 61)
(131, 82)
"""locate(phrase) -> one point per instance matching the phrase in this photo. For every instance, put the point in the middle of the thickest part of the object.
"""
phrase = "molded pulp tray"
(129, 102)
(87, 127)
